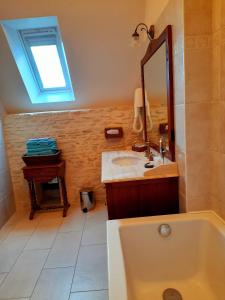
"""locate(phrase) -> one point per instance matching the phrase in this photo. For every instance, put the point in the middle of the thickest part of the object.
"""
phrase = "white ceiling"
(104, 68)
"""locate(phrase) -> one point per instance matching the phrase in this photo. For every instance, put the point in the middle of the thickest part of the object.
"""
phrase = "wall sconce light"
(150, 32)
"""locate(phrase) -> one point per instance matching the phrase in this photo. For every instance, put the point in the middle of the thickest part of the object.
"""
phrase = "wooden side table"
(42, 174)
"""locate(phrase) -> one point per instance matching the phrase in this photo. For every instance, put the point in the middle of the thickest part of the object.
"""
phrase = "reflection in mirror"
(157, 82)
(156, 94)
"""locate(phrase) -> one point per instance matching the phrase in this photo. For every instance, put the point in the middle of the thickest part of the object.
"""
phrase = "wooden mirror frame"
(154, 45)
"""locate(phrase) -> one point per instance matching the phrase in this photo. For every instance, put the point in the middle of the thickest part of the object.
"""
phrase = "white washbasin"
(129, 165)
(126, 160)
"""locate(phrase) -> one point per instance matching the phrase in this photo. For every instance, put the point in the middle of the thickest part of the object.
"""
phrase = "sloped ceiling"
(153, 10)
(104, 68)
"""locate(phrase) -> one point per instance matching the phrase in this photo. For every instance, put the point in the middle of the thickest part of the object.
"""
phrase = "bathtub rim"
(116, 266)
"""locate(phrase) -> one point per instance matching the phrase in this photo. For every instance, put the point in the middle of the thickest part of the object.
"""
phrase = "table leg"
(66, 204)
(32, 199)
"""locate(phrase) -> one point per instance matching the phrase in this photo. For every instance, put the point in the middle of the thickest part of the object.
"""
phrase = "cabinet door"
(159, 197)
(122, 201)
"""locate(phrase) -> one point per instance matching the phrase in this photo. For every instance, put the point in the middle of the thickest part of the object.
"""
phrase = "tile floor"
(55, 258)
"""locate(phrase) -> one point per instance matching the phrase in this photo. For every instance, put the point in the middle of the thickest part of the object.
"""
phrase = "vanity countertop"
(125, 165)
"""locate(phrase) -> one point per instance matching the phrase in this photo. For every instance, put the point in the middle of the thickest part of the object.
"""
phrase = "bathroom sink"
(126, 161)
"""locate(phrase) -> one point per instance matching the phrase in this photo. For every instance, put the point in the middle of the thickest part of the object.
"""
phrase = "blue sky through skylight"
(49, 67)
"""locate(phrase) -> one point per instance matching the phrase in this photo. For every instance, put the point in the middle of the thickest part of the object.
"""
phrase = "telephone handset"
(138, 111)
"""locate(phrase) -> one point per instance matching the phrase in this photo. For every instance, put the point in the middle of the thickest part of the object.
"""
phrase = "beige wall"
(172, 13)
(6, 194)
(105, 69)
(198, 96)
(80, 136)
(154, 10)
(218, 108)
(205, 106)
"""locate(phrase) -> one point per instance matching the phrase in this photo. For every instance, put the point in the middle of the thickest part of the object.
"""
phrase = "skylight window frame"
(44, 37)
(38, 96)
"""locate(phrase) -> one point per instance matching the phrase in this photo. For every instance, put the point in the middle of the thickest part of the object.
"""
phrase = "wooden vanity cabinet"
(150, 197)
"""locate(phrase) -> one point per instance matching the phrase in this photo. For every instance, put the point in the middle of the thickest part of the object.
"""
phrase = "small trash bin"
(87, 201)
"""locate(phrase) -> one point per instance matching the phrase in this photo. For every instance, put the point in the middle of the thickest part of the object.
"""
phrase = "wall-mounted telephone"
(138, 111)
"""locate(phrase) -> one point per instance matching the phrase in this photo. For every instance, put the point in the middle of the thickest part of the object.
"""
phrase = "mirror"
(157, 82)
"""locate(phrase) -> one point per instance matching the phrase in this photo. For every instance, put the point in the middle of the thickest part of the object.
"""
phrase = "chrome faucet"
(162, 147)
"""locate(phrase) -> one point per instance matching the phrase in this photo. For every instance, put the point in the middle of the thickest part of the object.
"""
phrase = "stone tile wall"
(158, 116)
(217, 177)
(205, 106)
(198, 102)
(80, 136)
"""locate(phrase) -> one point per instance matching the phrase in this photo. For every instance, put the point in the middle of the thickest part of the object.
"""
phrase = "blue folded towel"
(42, 151)
(42, 146)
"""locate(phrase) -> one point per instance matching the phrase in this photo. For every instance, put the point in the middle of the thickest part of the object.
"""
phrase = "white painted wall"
(154, 9)
(6, 194)
(105, 70)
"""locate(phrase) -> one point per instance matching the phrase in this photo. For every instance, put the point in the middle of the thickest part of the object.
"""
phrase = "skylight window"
(49, 67)
(38, 50)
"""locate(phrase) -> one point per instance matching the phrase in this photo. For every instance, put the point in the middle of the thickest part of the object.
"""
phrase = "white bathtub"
(142, 264)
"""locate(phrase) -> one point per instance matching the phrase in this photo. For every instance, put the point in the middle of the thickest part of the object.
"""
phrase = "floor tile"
(50, 222)
(5, 230)
(91, 269)
(21, 281)
(16, 217)
(2, 277)
(24, 227)
(74, 221)
(93, 295)
(10, 249)
(74, 210)
(20, 299)
(44, 235)
(9, 225)
(50, 215)
(97, 215)
(63, 236)
(94, 233)
(53, 284)
(64, 250)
